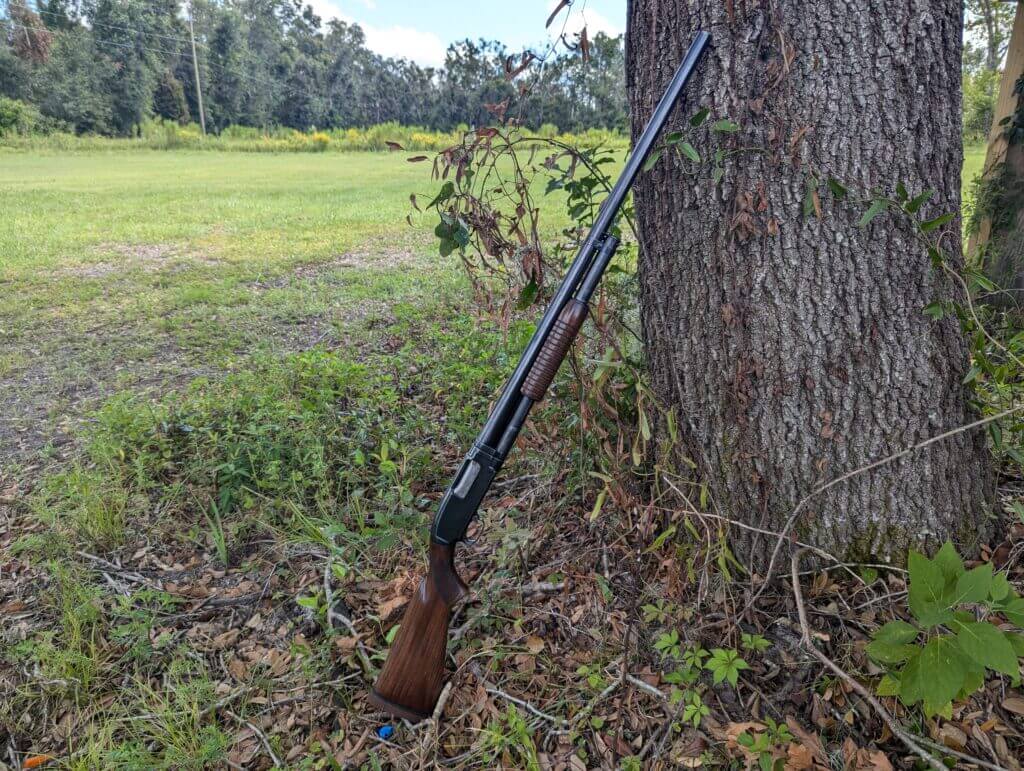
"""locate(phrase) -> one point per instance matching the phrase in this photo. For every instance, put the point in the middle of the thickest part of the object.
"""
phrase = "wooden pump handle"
(557, 345)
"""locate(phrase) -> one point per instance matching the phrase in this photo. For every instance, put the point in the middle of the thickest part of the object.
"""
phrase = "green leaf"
(949, 562)
(973, 680)
(726, 126)
(653, 158)
(918, 201)
(987, 646)
(447, 191)
(938, 222)
(974, 585)
(934, 311)
(878, 206)
(838, 191)
(901, 191)
(886, 652)
(699, 117)
(690, 152)
(1017, 641)
(810, 188)
(1000, 588)
(1014, 611)
(527, 296)
(897, 632)
(936, 675)
(927, 591)
(888, 686)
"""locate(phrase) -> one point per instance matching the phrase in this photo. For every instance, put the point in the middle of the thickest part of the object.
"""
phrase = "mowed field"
(143, 269)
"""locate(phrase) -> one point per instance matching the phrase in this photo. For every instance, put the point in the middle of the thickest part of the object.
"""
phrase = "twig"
(525, 705)
(646, 687)
(585, 712)
(963, 756)
(333, 615)
(744, 526)
(329, 595)
(442, 701)
(541, 587)
(127, 573)
(262, 737)
(808, 643)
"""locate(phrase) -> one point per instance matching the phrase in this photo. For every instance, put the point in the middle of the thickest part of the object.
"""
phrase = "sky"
(421, 31)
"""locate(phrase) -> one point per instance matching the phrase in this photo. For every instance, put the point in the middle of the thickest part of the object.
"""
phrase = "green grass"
(974, 161)
(61, 210)
(150, 268)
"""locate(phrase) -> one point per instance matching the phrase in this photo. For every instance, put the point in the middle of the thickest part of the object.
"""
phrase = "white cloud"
(577, 17)
(395, 41)
(399, 42)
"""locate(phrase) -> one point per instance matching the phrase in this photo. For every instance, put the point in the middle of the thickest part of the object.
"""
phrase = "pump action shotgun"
(413, 675)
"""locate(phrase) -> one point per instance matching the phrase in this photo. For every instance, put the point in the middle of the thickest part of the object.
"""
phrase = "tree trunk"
(1001, 231)
(794, 348)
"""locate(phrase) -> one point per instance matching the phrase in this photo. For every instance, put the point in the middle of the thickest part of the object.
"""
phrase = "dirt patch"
(60, 377)
(150, 258)
(321, 271)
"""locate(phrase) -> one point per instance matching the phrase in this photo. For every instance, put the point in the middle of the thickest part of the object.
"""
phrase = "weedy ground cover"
(234, 389)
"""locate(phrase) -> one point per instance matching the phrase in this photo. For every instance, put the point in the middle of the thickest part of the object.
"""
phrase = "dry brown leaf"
(534, 644)
(952, 737)
(278, 661)
(345, 644)
(225, 640)
(1014, 704)
(238, 669)
(388, 607)
(798, 758)
(808, 740)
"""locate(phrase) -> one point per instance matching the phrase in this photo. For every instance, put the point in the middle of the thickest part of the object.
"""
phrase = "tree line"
(105, 66)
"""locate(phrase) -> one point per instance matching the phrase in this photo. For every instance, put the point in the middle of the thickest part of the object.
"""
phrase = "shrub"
(981, 89)
(956, 611)
(16, 117)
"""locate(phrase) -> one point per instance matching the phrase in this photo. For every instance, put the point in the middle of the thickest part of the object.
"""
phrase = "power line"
(121, 27)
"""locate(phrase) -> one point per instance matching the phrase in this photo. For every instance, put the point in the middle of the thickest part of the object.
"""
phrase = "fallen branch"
(807, 641)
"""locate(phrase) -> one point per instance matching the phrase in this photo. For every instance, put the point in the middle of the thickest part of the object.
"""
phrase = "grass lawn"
(974, 161)
(147, 267)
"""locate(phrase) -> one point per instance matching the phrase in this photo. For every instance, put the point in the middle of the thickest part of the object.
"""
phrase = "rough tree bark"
(794, 348)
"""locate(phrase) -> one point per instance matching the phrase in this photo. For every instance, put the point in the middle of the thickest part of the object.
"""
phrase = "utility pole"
(195, 69)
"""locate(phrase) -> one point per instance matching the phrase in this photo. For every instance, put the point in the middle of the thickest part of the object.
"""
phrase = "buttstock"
(410, 683)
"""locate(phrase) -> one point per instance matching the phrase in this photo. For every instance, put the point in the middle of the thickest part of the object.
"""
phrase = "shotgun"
(413, 675)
